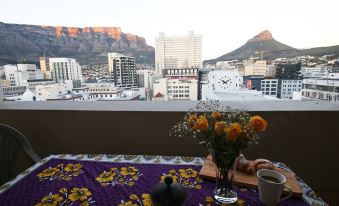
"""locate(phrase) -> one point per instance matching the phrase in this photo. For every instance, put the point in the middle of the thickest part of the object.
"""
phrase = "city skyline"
(224, 25)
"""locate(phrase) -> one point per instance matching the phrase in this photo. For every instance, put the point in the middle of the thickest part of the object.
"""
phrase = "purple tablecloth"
(78, 182)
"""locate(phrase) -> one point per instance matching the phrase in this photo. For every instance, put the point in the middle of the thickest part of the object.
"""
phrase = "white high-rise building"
(122, 68)
(175, 52)
(65, 69)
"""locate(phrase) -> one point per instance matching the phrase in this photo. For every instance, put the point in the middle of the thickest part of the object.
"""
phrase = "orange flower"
(201, 124)
(216, 115)
(258, 123)
(233, 131)
(219, 127)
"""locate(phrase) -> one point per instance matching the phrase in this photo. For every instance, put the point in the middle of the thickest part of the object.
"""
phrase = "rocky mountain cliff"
(271, 49)
(88, 45)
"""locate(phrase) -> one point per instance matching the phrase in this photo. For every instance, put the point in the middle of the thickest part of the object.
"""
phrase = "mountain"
(88, 45)
(272, 49)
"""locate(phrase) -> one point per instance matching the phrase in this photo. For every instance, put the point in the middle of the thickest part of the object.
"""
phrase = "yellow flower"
(172, 171)
(129, 170)
(130, 184)
(209, 200)
(175, 178)
(188, 173)
(219, 127)
(233, 131)
(240, 202)
(49, 172)
(197, 187)
(145, 196)
(133, 197)
(216, 115)
(258, 123)
(135, 177)
(191, 120)
(146, 200)
(114, 169)
(201, 124)
(63, 190)
(198, 179)
(105, 177)
(86, 203)
(79, 194)
(50, 200)
(73, 167)
(129, 203)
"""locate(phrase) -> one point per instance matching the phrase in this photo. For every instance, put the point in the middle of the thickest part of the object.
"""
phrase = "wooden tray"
(245, 180)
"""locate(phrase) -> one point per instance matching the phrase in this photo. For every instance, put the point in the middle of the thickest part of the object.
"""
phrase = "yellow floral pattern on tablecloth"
(67, 197)
(135, 200)
(115, 176)
(187, 177)
(61, 172)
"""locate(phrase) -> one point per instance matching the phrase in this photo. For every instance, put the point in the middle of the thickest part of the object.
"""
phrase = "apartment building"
(122, 70)
(63, 69)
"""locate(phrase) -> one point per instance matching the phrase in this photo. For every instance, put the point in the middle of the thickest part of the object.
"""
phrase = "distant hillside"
(88, 45)
(271, 49)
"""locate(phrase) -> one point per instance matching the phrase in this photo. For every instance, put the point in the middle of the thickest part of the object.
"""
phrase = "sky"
(224, 24)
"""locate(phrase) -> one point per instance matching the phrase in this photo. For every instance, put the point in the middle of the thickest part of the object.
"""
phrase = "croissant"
(245, 165)
(251, 167)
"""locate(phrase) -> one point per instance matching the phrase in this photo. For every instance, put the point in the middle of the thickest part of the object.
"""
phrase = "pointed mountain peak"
(262, 36)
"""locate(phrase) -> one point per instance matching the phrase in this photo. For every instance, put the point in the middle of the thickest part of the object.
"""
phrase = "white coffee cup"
(271, 185)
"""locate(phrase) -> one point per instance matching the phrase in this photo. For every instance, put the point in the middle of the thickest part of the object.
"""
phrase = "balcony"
(304, 135)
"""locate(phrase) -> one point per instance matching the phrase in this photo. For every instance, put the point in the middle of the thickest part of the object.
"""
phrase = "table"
(120, 180)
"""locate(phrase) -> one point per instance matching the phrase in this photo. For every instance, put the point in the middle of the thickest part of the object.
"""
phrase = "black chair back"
(11, 143)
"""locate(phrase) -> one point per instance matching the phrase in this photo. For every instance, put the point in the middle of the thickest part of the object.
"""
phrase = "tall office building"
(122, 69)
(44, 67)
(65, 69)
(176, 52)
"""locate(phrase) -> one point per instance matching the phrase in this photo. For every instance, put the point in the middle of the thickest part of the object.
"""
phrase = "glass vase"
(225, 162)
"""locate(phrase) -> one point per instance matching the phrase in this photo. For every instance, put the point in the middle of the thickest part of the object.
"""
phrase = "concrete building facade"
(44, 67)
(252, 67)
(176, 52)
(16, 74)
(269, 87)
(122, 70)
(286, 87)
(326, 88)
(63, 69)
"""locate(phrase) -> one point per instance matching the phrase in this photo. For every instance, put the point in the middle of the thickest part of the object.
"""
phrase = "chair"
(11, 143)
